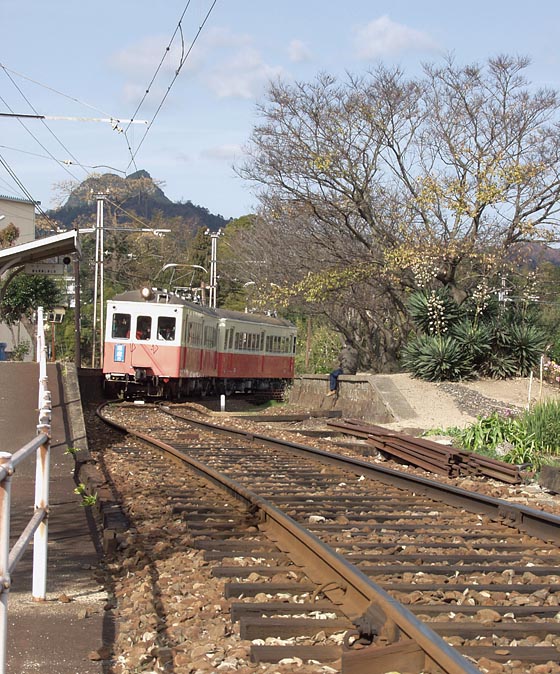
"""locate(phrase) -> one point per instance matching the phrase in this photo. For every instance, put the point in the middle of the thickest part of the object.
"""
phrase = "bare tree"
(373, 186)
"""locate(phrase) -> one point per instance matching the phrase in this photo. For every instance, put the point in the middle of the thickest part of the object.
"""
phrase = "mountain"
(139, 195)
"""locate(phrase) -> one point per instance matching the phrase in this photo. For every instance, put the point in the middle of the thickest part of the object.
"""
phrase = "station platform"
(64, 634)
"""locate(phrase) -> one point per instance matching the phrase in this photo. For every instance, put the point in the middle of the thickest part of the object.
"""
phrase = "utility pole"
(98, 282)
(77, 316)
(213, 267)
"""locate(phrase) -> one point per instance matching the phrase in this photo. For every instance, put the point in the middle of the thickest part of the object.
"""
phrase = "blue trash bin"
(3, 346)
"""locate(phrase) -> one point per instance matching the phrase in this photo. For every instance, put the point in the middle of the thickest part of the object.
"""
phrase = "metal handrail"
(37, 527)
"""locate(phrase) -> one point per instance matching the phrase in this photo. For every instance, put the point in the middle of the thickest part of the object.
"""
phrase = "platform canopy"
(40, 249)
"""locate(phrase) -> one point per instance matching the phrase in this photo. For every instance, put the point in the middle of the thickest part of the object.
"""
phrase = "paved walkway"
(56, 636)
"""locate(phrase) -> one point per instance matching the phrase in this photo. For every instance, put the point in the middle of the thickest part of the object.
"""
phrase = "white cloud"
(223, 38)
(140, 60)
(298, 51)
(224, 62)
(228, 152)
(243, 75)
(384, 37)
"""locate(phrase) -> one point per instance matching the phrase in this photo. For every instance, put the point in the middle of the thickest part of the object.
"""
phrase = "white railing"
(38, 524)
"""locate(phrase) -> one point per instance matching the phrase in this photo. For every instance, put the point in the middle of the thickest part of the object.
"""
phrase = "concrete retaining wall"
(358, 396)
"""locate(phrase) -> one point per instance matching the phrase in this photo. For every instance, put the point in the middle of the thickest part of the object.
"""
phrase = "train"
(161, 344)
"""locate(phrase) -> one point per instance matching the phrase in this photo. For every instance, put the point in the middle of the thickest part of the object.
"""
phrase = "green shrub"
(534, 435)
(486, 433)
(499, 365)
(436, 358)
(473, 339)
(526, 345)
(433, 312)
(543, 422)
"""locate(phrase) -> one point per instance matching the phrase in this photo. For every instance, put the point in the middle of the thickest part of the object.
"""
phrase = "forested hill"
(138, 194)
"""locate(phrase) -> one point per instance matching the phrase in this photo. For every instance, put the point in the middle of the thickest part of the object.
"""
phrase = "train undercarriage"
(146, 385)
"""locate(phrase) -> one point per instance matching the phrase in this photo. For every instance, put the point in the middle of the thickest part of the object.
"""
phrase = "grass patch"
(529, 438)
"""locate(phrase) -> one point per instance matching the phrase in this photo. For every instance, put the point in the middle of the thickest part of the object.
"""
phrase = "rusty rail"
(431, 456)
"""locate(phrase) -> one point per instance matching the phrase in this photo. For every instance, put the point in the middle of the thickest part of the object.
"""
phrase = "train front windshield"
(121, 326)
(166, 328)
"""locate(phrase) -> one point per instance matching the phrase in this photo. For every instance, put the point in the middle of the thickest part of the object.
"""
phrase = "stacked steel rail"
(431, 456)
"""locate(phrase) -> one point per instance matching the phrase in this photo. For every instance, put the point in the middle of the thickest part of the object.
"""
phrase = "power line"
(46, 126)
(130, 215)
(25, 191)
(67, 162)
(184, 57)
(60, 93)
(109, 118)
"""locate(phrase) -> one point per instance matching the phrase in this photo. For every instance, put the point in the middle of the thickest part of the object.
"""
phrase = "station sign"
(44, 268)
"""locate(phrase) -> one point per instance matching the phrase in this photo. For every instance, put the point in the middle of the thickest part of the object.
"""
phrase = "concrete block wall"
(358, 397)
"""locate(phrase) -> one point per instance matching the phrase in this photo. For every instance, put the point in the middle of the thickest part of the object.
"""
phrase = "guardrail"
(37, 527)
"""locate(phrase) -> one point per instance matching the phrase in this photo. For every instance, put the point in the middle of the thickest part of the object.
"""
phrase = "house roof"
(19, 200)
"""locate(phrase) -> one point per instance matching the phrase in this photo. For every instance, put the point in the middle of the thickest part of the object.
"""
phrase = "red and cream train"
(159, 344)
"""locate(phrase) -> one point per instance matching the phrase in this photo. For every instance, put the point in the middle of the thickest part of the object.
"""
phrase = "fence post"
(5, 488)
(42, 470)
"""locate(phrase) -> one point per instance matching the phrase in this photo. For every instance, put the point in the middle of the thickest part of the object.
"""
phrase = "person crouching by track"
(347, 364)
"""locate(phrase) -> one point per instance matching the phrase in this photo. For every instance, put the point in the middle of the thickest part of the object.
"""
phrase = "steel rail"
(409, 641)
(545, 526)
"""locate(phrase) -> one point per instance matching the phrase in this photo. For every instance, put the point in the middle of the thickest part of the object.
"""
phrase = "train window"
(209, 336)
(121, 326)
(166, 328)
(194, 334)
(143, 327)
(228, 341)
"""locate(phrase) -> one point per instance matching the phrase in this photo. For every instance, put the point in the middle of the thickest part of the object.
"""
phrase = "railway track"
(394, 572)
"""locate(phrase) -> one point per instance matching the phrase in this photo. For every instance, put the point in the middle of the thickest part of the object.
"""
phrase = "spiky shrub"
(473, 339)
(433, 311)
(526, 345)
(436, 358)
(516, 346)
(499, 364)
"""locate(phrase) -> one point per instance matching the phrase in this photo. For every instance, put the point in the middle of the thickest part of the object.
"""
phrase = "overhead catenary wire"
(67, 162)
(165, 54)
(184, 57)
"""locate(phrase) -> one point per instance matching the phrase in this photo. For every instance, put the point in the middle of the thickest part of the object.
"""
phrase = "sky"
(90, 61)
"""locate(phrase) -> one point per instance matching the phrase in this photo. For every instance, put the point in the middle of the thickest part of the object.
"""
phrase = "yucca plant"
(499, 364)
(473, 339)
(436, 358)
(433, 311)
(527, 343)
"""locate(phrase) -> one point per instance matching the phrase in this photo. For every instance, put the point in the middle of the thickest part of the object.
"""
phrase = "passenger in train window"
(166, 328)
(121, 326)
(143, 327)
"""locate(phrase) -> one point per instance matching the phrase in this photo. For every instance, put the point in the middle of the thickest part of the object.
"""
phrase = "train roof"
(173, 298)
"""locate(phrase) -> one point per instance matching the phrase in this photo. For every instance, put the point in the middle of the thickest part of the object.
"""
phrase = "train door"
(228, 349)
(184, 345)
(262, 361)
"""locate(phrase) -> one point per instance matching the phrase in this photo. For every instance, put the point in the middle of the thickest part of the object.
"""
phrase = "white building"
(21, 214)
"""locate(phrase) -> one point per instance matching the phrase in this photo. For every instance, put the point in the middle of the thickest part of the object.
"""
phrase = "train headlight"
(146, 293)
